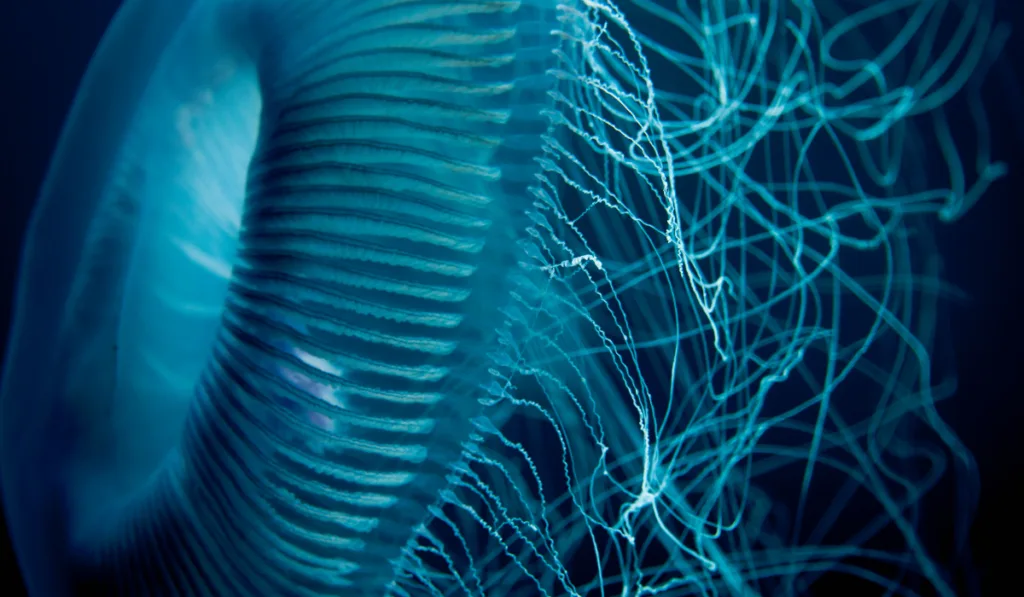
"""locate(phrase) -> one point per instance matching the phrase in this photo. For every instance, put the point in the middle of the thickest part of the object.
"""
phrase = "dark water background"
(45, 46)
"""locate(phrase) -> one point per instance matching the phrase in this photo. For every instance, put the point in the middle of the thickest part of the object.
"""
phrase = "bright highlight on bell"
(536, 297)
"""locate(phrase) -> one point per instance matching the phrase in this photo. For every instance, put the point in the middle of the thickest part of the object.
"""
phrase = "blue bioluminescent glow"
(524, 297)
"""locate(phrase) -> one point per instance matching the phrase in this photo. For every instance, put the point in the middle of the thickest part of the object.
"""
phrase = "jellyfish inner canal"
(153, 280)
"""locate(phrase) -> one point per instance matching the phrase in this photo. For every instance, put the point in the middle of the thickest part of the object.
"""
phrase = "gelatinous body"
(488, 297)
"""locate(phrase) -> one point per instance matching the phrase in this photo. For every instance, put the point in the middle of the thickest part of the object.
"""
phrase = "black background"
(46, 45)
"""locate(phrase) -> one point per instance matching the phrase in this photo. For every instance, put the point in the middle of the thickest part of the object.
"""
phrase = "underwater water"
(733, 333)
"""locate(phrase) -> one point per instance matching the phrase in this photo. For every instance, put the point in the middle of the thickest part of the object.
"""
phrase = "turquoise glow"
(492, 298)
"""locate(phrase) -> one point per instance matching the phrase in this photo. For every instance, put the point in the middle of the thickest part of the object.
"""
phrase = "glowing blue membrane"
(494, 298)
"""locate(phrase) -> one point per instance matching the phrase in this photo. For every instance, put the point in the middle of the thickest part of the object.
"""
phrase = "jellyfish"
(574, 297)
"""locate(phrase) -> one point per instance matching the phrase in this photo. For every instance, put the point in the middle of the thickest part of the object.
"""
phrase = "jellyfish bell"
(114, 348)
(330, 204)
